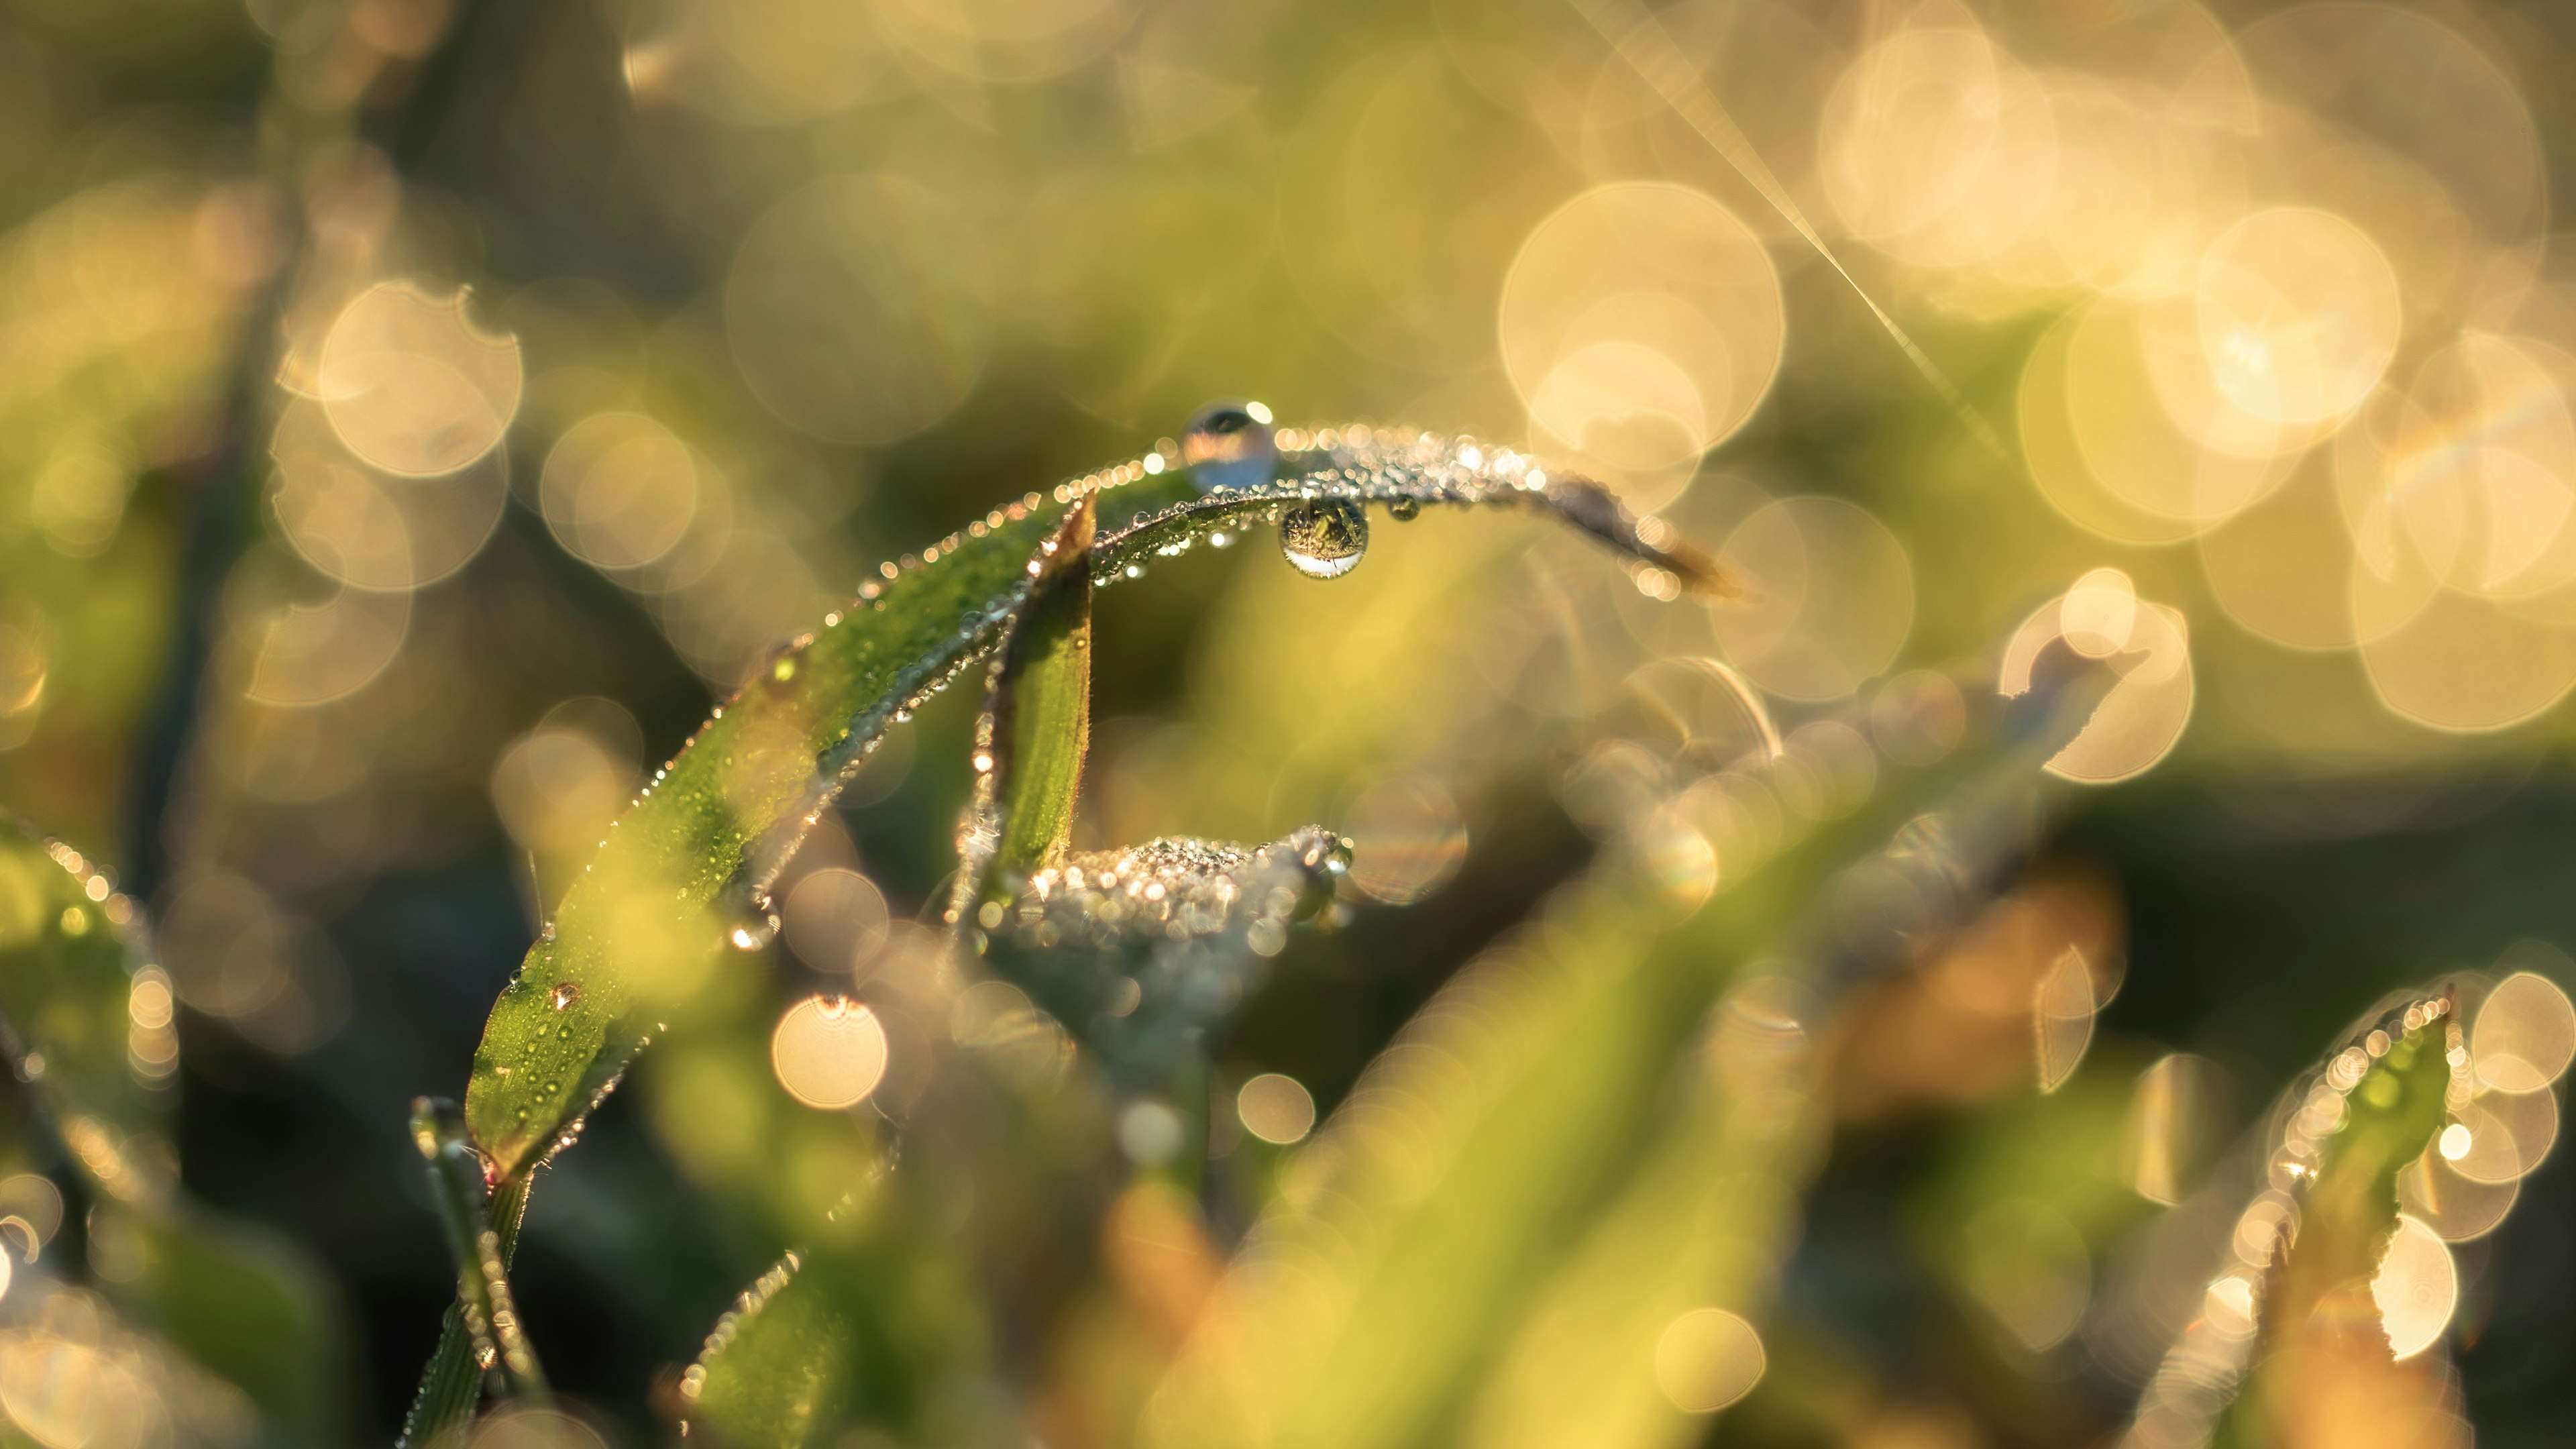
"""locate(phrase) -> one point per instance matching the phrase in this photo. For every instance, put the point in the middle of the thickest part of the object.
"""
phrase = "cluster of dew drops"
(1230, 446)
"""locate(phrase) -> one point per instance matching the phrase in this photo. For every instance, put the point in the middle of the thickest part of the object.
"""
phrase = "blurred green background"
(341, 608)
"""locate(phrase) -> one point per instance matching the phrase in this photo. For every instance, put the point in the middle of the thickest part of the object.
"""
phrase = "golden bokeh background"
(415, 415)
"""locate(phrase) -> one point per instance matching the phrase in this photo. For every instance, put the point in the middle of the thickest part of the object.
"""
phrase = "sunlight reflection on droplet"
(316, 652)
(2508, 1135)
(1708, 1358)
(2451, 1205)
(1936, 146)
(2097, 615)
(517, 1426)
(829, 1052)
(1275, 1108)
(1151, 1133)
(412, 386)
(373, 530)
(2416, 1288)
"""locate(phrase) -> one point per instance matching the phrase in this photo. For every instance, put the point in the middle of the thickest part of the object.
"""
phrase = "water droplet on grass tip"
(1404, 510)
(1230, 445)
(755, 930)
(1325, 538)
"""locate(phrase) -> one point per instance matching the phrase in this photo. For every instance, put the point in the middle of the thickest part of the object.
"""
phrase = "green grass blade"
(637, 936)
(1529, 1110)
(639, 933)
(2318, 1348)
(490, 1314)
(451, 1384)
(1037, 722)
(779, 1369)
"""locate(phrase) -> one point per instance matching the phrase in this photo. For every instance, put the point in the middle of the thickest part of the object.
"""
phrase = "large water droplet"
(564, 995)
(1404, 510)
(1230, 445)
(1324, 539)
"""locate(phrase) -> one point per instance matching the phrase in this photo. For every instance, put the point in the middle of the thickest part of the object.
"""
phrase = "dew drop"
(1404, 510)
(564, 995)
(1230, 445)
(1324, 538)
(756, 930)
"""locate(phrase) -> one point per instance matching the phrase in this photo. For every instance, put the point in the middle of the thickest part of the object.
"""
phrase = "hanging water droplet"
(1324, 538)
(1404, 510)
(1230, 445)
(756, 930)
(564, 995)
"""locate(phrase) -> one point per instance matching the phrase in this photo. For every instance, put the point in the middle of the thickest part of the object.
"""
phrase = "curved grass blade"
(640, 931)
(779, 1369)
(2283, 1348)
(1036, 726)
(87, 1021)
(1477, 1183)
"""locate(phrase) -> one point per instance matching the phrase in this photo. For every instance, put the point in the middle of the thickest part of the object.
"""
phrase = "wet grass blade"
(1037, 719)
(778, 1369)
(690, 862)
(490, 1315)
(2319, 1353)
(452, 1383)
(1528, 1110)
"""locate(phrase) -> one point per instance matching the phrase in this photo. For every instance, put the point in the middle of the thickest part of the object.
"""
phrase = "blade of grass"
(777, 1370)
(1429, 1218)
(491, 1316)
(637, 935)
(1037, 714)
(452, 1383)
(2316, 1341)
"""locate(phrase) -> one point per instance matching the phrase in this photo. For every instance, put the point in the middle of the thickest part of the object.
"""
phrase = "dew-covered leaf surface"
(2318, 1350)
(1144, 951)
(687, 865)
